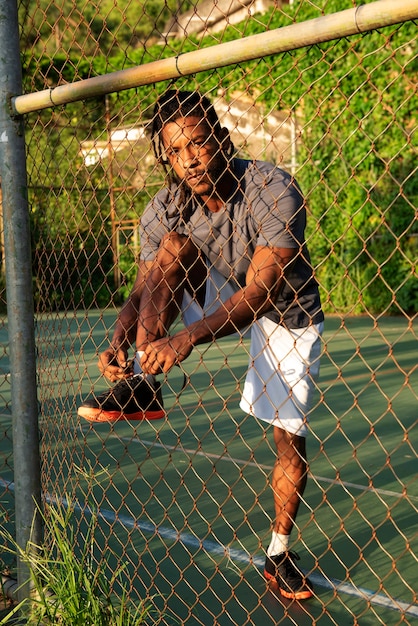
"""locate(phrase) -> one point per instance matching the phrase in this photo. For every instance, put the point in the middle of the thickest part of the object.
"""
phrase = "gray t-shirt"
(266, 208)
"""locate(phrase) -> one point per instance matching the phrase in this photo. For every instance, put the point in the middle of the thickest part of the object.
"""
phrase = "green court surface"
(187, 506)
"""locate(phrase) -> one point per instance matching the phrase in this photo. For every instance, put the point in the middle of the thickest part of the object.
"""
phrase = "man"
(223, 242)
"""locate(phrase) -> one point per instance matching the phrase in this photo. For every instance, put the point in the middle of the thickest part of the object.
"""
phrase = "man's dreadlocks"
(172, 105)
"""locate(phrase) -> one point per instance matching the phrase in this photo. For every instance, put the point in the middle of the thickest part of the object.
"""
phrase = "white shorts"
(283, 365)
(282, 374)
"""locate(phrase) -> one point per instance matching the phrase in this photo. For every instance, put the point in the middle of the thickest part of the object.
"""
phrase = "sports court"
(185, 502)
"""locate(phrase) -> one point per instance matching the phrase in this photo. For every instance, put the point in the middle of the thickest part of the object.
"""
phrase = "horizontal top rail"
(336, 25)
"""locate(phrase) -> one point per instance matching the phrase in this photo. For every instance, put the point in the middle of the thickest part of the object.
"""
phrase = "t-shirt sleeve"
(153, 226)
(280, 211)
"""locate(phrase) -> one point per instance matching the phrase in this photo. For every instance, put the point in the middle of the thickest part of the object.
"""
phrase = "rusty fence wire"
(185, 505)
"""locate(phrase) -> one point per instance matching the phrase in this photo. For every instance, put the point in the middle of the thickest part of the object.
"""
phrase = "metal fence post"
(19, 294)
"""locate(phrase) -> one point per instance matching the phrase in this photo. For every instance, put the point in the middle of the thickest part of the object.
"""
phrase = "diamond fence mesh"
(185, 504)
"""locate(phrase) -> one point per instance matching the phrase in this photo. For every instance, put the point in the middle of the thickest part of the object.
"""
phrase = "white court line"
(215, 548)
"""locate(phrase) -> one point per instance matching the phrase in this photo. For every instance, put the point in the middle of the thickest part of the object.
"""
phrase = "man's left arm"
(264, 281)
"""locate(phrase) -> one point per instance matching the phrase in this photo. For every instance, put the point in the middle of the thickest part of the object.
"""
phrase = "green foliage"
(117, 25)
(356, 101)
(71, 587)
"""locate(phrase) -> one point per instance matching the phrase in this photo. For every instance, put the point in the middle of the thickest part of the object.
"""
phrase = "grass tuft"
(71, 589)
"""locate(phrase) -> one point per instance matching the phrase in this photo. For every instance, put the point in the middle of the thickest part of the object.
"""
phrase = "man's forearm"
(124, 334)
(241, 310)
(125, 328)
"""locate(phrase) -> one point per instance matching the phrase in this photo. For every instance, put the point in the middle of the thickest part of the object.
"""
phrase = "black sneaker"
(291, 581)
(136, 398)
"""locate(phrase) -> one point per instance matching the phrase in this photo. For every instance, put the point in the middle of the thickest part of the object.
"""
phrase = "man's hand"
(161, 355)
(114, 365)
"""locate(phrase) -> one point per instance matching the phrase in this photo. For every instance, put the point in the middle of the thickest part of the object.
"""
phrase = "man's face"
(195, 154)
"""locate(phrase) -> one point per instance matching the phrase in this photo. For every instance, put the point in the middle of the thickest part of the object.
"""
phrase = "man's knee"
(289, 443)
(178, 247)
(180, 257)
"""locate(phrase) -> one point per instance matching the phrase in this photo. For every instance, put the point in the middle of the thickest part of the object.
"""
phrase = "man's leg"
(281, 395)
(288, 479)
(288, 484)
(178, 265)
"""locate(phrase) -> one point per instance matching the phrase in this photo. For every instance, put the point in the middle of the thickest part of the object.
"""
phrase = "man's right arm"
(113, 362)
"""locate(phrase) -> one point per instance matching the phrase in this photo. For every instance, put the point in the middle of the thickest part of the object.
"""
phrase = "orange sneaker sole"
(96, 415)
(290, 595)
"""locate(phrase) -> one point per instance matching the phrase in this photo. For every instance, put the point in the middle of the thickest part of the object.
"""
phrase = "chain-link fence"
(185, 503)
